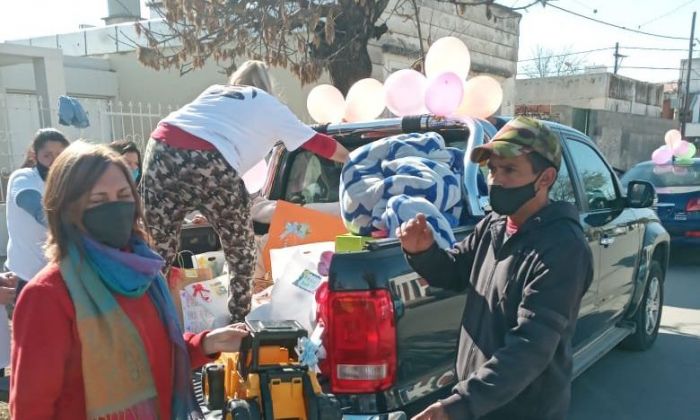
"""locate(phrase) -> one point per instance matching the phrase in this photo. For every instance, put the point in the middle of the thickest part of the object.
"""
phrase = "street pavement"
(662, 382)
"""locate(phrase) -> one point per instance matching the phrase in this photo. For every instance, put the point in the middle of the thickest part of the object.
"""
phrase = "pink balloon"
(672, 137)
(255, 177)
(662, 155)
(404, 92)
(444, 94)
(482, 97)
(681, 148)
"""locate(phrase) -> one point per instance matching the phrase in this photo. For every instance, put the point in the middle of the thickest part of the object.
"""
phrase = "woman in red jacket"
(96, 334)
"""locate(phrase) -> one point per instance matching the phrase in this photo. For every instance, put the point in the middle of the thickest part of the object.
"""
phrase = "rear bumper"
(395, 415)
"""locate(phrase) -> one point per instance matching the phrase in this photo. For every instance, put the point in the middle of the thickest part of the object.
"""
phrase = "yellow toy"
(264, 381)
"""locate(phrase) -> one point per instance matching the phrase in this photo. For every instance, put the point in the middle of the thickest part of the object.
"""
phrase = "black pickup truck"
(392, 338)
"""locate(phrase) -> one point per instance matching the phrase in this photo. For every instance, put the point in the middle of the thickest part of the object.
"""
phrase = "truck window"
(313, 179)
(598, 181)
(563, 189)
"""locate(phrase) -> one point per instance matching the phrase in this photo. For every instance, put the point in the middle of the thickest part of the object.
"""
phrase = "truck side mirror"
(640, 194)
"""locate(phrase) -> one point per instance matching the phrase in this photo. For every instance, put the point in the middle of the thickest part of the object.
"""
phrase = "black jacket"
(523, 295)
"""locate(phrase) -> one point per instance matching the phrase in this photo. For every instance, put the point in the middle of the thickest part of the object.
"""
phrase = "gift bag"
(204, 305)
(295, 225)
(297, 272)
(178, 278)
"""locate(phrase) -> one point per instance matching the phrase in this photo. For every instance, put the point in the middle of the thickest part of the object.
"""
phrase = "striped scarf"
(116, 372)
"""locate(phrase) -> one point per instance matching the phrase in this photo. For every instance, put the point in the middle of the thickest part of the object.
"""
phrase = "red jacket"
(47, 377)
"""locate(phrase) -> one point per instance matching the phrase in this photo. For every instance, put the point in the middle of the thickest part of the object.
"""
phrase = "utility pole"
(686, 100)
(617, 56)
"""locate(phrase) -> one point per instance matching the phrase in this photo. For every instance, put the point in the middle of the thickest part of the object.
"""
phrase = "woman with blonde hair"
(197, 155)
(96, 334)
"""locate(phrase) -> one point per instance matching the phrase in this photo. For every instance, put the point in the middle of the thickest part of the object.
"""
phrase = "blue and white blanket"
(391, 180)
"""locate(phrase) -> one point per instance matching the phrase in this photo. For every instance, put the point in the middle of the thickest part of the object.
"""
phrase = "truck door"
(614, 229)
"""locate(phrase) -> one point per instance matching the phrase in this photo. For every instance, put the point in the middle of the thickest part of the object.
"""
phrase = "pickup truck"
(392, 339)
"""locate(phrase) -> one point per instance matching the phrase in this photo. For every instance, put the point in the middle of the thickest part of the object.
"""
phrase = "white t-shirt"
(25, 248)
(242, 122)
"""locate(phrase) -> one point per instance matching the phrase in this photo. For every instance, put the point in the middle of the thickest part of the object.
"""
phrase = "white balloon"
(447, 54)
(365, 100)
(325, 104)
(482, 97)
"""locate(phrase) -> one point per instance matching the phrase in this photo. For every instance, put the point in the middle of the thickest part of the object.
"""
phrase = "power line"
(666, 14)
(603, 49)
(654, 49)
(614, 25)
(566, 54)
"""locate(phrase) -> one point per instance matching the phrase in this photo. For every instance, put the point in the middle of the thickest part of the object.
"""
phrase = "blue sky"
(546, 27)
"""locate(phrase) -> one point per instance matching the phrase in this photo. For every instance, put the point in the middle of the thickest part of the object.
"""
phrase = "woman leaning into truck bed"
(195, 159)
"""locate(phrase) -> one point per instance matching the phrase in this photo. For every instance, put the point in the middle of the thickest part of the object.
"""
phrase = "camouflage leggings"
(176, 182)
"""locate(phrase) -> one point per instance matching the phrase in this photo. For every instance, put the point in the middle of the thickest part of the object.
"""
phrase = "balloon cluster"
(443, 91)
(675, 146)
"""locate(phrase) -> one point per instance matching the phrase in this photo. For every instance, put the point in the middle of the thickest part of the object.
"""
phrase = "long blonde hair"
(252, 73)
(71, 178)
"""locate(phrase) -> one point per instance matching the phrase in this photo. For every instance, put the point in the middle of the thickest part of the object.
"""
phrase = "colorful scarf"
(116, 372)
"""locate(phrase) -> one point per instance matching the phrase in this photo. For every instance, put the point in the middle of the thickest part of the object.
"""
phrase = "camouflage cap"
(520, 136)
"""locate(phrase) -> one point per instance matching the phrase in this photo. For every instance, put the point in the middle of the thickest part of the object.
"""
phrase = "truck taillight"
(693, 204)
(360, 340)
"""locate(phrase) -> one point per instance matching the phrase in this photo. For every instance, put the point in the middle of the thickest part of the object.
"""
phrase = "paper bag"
(178, 278)
(295, 225)
(204, 305)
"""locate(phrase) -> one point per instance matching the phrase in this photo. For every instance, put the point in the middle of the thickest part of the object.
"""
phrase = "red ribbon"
(201, 290)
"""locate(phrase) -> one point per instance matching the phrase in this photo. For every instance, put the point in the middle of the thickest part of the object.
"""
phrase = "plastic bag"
(204, 305)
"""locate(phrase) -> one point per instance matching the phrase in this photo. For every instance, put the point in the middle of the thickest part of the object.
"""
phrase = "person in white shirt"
(195, 160)
(26, 222)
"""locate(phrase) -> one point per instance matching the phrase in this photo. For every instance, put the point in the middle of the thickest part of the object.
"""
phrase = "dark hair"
(45, 135)
(67, 192)
(539, 164)
(29, 158)
(125, 146)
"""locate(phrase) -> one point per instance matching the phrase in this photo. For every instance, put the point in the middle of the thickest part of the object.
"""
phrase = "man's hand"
(8, 279)
(7, 295)
(415, 235)
(434, 412)
(225, 339)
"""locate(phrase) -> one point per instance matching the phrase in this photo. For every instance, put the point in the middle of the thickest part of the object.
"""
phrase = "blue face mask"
(135, 173)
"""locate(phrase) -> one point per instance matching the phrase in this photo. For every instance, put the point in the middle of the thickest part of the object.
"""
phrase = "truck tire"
(648, 316)
(328, 407)
(242, 410)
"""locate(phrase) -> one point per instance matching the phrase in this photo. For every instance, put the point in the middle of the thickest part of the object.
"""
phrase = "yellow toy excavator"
(265, 381)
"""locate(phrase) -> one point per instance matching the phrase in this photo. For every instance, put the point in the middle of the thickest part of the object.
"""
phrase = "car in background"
(678, 188)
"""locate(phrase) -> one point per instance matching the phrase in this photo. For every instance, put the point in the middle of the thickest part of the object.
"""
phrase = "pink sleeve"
(322, 145)
(194, 348)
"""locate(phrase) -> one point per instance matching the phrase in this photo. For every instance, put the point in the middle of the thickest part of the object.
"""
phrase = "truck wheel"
(328, 407)
(648, 316)
(242, 410)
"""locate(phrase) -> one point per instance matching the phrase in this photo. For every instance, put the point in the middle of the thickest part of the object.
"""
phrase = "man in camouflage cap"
(525, 268)
(521, 136)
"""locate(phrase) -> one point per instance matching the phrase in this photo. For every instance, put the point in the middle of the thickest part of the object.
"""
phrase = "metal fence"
(22, 114)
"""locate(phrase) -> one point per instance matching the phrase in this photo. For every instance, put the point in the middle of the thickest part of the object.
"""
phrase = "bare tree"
(305, 36)
(546, 62)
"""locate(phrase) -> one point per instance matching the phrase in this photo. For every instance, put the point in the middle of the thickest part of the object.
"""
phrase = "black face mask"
(111, 223)
(43, 170)
(507, 201)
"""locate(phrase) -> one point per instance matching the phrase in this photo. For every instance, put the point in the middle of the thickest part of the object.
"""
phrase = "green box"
(350, 243)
